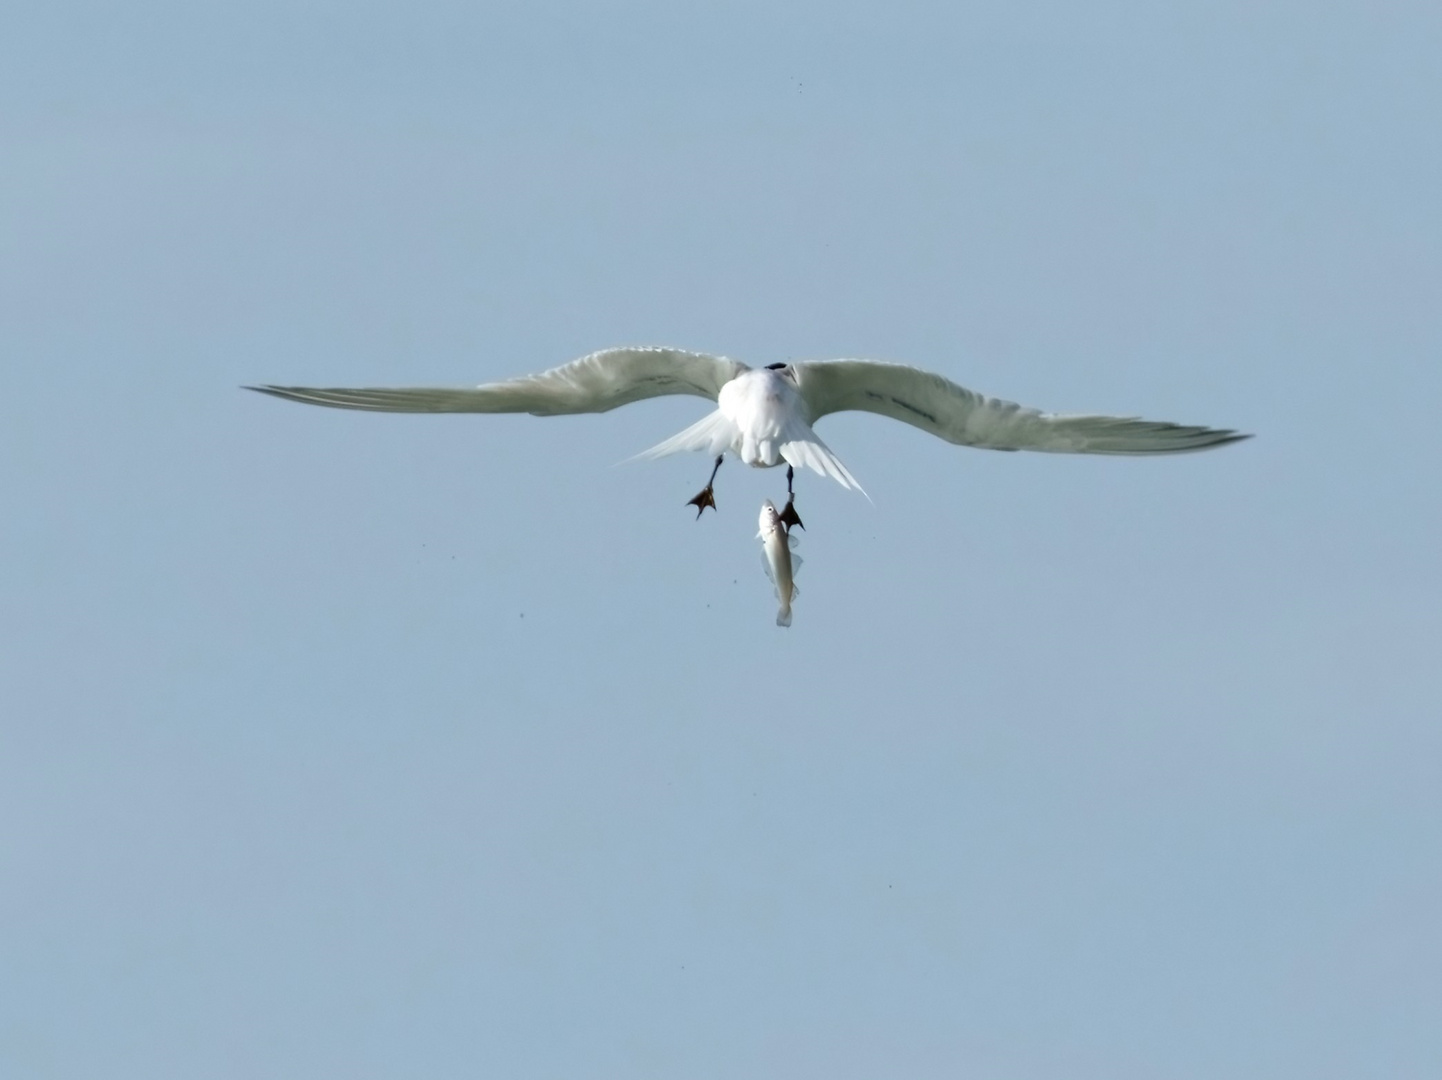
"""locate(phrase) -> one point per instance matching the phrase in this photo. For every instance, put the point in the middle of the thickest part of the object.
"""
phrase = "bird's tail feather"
(812, 453)
(713, 434)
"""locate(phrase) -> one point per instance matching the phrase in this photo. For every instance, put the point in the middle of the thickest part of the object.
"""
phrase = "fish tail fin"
(713, 433)
(783, 617)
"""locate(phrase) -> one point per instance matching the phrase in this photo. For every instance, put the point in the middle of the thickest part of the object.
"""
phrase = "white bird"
(765, 416)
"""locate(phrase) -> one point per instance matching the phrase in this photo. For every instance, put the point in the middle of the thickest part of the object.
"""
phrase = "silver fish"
(781, 564)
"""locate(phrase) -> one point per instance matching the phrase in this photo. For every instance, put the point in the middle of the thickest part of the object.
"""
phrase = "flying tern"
(765, 416)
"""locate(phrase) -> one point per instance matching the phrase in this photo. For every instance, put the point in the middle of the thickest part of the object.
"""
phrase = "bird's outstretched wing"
(592, 384)
(959, 415)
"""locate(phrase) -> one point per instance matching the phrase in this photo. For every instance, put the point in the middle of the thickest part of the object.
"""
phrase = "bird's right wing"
(956, 414)
(596, 383)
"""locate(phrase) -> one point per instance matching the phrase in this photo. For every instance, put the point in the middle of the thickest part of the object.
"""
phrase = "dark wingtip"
(1209, 439)
(284, 393)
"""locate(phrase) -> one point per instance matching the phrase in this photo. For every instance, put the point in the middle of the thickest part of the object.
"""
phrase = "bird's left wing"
(959, 415)
(592, 384)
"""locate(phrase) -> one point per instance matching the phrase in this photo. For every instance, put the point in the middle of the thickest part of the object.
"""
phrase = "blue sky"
(340, 744)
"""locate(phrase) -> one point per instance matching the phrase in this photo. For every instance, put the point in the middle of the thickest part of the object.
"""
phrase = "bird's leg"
(705, 497)
(789, 516)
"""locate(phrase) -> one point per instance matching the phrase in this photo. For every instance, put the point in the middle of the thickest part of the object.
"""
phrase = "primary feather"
(596, 383)
(937, 405)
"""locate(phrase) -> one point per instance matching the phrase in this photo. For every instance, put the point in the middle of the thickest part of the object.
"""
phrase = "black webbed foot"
(789, 516)
(704, 498)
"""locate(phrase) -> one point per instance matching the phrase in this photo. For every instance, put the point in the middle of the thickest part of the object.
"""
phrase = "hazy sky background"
(335, 744)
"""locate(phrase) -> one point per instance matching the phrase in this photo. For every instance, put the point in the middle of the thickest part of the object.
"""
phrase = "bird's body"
(762, 418)
(759, 404)
(765, 416)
